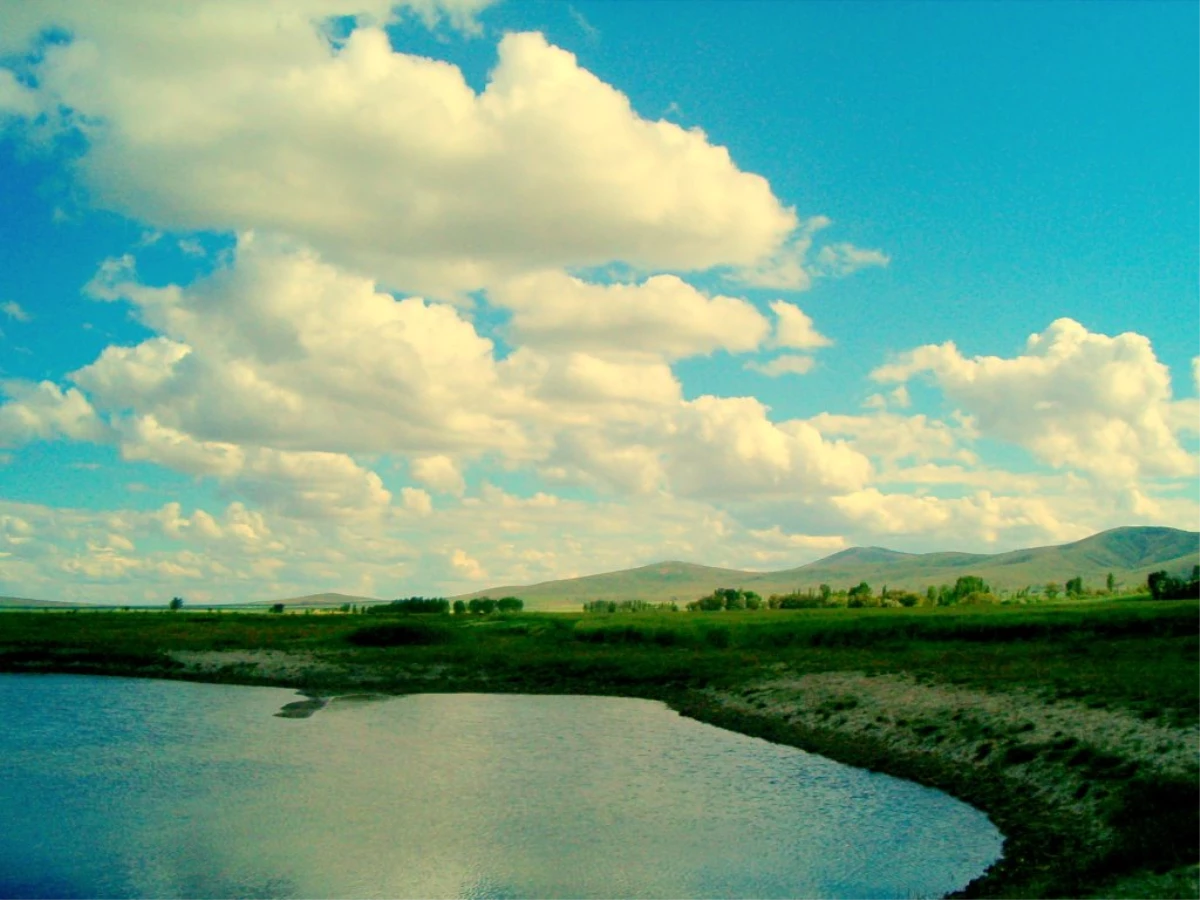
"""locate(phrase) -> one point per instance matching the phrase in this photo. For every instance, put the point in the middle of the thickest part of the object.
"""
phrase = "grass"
(1133, 655)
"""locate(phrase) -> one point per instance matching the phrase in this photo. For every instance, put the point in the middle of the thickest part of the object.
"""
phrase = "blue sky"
(388, 299)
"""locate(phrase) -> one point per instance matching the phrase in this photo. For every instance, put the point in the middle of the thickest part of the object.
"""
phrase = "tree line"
(441, 606)
(1166, 587)
(967, 590)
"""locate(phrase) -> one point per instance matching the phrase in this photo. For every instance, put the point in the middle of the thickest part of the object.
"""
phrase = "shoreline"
(1047, 774)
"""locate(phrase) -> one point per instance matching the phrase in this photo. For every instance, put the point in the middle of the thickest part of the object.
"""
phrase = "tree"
(826, 593)
(1052, 591)
(175, 604)
(1157, 582)
(510, 604)
(277, 608)
(1075, 586)
(1110, 583)
(460, 607)
(858, 595)
(970, 584)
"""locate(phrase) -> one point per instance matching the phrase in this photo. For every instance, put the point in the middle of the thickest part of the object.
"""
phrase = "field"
(1073, 725)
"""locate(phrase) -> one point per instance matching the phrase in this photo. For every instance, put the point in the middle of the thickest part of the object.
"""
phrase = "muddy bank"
(1052, 775)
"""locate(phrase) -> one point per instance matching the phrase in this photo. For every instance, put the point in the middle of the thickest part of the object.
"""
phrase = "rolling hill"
(660, 581)
(26, 603)
(1129, 553)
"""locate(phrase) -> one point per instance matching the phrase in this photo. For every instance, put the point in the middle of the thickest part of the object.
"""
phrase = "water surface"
(136, 788)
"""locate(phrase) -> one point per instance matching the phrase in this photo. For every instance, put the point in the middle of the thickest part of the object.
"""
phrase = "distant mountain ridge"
(1129, 553)
(26, 603)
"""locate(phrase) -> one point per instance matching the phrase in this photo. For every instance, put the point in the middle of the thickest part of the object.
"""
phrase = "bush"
(402, 634)
(412, 605)
(718, 637)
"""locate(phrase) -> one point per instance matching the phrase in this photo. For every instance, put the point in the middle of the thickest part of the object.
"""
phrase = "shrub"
(718, 637)
(402, 634)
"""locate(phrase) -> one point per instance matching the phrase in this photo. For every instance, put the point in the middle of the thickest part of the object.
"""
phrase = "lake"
(117, 787)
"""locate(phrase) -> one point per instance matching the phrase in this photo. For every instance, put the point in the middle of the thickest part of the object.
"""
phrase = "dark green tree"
(859, 595)
(460, 608)
(175, 604)
(970, 584)
(1075, 586)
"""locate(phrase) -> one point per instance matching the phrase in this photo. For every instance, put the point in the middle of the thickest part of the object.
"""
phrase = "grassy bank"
(1074, 726)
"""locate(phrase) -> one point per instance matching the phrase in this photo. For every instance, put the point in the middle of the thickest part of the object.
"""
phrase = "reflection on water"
(132, 788)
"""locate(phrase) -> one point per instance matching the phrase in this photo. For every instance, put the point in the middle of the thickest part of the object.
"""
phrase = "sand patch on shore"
(274, 664)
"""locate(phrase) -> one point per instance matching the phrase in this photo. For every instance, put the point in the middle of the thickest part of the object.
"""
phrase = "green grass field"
(1138, 654)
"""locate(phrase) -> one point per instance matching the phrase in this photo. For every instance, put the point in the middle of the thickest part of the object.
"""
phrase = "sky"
(395, 299)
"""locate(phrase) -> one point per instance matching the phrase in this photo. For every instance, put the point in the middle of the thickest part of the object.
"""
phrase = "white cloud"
(793, 328)
(146, 439)
(467, 567)
(794, 266)
(827, 543)
(893, 437)
(142, 374)
(15, 98)
(724, 446)
(575, 383)
(416, 500)
(295, 483)
(782, 365)
(313, 484)
(14, 311)
(982, 517)
(664, 315)
(277, 355)
(898, 398)
(282, 350)
(840, 260)
(1097, 403)
(276, 29)
(440, 473)
(43, 411)
(385, 161)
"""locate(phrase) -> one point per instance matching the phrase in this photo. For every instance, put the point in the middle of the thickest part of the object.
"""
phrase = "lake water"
(135, 788)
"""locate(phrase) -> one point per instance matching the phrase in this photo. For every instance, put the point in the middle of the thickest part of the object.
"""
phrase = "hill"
(672, 580)
(26, 603)
(1130, 554)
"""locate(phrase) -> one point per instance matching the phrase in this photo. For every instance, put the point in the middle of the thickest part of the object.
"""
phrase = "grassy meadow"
(1138, 654)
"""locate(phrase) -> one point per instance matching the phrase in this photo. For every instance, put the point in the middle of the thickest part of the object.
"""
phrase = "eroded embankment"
(1068, 784)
